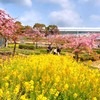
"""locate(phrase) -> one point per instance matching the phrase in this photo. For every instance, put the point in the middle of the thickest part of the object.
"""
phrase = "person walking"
(58, 50)
(49, 49)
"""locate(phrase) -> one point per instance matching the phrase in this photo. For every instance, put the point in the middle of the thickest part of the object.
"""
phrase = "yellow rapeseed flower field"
(47, 77)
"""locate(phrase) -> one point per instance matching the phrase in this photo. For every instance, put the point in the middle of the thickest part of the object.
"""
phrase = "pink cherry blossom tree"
(8, 28)
(16, 36)
(35, 35)
(77, 43)
(7, 25)
(81, 43)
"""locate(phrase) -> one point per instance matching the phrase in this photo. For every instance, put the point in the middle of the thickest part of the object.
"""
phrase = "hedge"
(26, 46)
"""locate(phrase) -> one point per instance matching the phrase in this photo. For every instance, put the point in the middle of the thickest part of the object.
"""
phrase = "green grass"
(23, 51)
(39, 50)
(11, 45)
(97, 50)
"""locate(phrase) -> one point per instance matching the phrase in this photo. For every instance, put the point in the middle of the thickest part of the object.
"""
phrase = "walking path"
(96, 64)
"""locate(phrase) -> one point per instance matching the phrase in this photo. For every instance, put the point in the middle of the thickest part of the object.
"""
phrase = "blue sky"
(63, 13)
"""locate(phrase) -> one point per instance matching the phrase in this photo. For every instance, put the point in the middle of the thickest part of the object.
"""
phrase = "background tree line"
(42, 28)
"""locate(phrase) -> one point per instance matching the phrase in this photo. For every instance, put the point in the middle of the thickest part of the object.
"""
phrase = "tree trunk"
(36, 45)
(5, 42)
(14, 50)
(76, 57)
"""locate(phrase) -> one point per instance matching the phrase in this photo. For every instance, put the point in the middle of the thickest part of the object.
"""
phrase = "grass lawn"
(39, 50)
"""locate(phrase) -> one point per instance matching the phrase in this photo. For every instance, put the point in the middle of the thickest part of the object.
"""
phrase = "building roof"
(85, 29)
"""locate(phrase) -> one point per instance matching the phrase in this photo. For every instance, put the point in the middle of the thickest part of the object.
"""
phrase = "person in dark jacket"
(58, 50)
(49, 49)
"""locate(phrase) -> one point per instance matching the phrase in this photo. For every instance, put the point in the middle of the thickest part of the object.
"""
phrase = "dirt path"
(96, 64)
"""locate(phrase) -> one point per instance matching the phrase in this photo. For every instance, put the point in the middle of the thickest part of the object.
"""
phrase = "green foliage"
(39, 25)
(11, 45)
(26, 46)
(92, 57)
(25, 52)
(52, 27)
(97, 50)
(29, 49)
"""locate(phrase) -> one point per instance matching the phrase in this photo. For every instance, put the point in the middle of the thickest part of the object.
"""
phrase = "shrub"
(11, 45)
(25, 52)
(6, 53)
(98, 51)
(26, 46)
(92, 57)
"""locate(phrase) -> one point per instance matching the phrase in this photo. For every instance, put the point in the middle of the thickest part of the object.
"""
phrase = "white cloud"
(94, 2)
(62, 3)
(97, 2)
(19, 2)
(66, 18)
(84, 0)
(30, 17)
(95, 17)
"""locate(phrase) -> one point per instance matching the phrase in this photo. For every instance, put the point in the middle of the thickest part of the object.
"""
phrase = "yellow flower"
(23, 97)
(73, 85)
(31, 85)
(89, 62)
(66, 86)
(52, 91)
(6, 84)
(57, 93)
(57, 79)
(15, 73)
(28, 86)
(94, 98)
(6, 78)
(1, 93)
(8, 94)
(43, 74)
(31, 82)
(75, 95)
(17, 88)
(41, 97)
(20, 77)
(44, 98)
